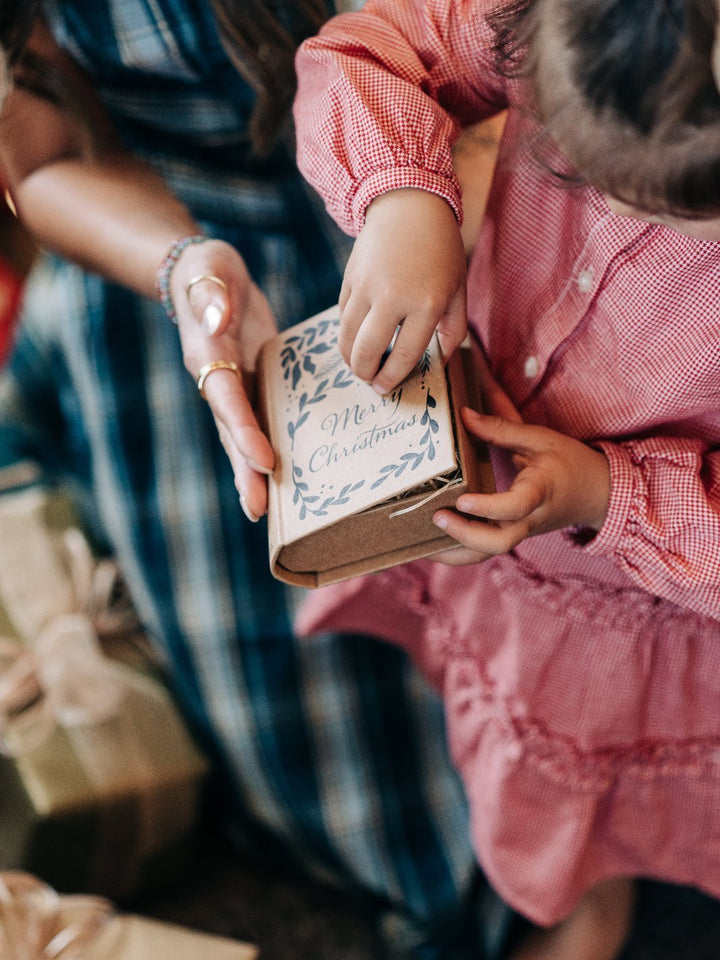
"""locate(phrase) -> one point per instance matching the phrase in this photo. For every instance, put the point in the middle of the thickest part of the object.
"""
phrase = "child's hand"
(561, 482)
(407, 268)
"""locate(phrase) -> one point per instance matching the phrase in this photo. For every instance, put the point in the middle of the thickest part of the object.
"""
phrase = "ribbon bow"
(36, 923)
(63, 677)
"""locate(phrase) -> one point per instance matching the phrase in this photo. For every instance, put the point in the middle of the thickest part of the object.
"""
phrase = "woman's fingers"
(247, 447)
(208, 297)
(209, 281)
(220, 362)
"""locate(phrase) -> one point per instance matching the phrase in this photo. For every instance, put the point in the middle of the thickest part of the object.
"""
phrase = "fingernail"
(256, 466)
(247, 511)
(440, 521)
(211, 318)
(378, 389)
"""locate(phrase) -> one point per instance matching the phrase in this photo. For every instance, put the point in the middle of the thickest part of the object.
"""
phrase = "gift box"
(36, 923)
(100, 782)
(358, 476)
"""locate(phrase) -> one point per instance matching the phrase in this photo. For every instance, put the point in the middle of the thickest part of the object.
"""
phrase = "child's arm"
(654, 504)
(382, 95)
(561, 482)
(407, 269)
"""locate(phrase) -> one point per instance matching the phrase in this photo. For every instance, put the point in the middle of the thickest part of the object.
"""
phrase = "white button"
(531, 367)
(585, 280)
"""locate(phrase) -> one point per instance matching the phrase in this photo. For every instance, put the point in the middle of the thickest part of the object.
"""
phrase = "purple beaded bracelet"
(164, 271)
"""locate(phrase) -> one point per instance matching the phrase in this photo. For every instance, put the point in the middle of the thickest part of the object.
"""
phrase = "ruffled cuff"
(623, 490)
(399, 178)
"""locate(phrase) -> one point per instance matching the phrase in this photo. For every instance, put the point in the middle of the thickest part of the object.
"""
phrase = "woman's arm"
(107, 211)
(111, 213)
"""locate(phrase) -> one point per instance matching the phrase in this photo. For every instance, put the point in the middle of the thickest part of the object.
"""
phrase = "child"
(574, 633)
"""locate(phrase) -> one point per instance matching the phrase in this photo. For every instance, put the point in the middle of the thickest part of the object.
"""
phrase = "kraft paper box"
(358, 476)
(100, 781)
(129, 937)
(36, 923)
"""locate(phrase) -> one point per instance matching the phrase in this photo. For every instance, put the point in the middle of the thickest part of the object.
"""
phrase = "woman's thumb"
(208, 299)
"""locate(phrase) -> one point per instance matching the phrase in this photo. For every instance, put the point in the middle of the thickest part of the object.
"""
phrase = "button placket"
(531, 367)
(585, 279)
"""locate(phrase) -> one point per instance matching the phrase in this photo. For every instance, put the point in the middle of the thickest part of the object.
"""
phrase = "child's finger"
(412, 338)
(372, 341)
(452, 328)
(458, 557)
(494, 399)
(353, 312)
(488, 539)
(511, 506)
(516, 436)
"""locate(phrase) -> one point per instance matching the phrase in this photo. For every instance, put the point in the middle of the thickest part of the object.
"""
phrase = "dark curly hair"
(627, 90)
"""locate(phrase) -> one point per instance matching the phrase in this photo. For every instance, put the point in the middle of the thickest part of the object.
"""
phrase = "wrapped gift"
(100, 781)
(358, 477)
(36, 923)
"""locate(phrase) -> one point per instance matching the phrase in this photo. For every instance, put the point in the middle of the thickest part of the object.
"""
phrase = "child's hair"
(626, 88)
(260, 37)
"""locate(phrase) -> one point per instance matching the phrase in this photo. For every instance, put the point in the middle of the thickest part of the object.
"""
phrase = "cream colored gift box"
(357, 476)
(129, 937)
(36, 923)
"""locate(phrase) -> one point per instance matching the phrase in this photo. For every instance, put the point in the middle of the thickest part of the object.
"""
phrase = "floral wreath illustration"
(311, 360)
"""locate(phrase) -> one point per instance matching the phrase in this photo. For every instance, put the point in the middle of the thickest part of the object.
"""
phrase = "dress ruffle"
(582, 718)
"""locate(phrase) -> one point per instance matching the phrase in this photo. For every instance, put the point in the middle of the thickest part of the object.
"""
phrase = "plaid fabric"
(333, 751)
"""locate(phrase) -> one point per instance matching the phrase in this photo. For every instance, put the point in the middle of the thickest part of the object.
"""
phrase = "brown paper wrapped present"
(100, 781)
(38, 924)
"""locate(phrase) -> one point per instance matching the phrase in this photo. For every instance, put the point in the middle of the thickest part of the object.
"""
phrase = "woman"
(130, 135)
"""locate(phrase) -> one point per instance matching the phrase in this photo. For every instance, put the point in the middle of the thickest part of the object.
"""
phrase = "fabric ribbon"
(63, 676)
(36, 923)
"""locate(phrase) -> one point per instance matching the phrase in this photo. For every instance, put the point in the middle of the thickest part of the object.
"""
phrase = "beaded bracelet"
(164, 271)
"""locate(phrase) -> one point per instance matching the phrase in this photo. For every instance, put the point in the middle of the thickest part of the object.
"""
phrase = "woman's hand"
(561, 482)
(407, 270)
(224, 316)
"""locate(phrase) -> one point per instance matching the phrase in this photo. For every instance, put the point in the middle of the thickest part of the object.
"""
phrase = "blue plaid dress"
(331, 751)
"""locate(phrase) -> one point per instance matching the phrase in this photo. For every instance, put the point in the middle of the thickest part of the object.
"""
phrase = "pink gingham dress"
(581, 676)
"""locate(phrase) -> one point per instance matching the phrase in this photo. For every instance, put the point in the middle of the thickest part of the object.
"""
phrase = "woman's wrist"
(167, 265)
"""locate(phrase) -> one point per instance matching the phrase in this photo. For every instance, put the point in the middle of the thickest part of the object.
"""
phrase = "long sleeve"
(383, 93)
(663, 523)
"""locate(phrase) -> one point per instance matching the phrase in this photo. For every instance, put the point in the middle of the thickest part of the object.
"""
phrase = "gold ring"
(208, 368)
(204, 276)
